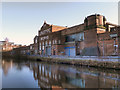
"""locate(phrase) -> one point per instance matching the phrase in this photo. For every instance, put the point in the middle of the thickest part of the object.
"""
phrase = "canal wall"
(112, 62)
(98, 62)
(8, 55)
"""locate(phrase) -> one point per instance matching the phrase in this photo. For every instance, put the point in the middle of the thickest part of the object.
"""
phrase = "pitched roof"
(56, 28)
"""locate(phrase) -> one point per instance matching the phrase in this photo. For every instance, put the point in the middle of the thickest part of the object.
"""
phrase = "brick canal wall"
(90, 63)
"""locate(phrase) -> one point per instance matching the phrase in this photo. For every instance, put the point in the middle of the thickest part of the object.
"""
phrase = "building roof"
(111, 24)
(73, 29)
(56, 28)
(7, 42)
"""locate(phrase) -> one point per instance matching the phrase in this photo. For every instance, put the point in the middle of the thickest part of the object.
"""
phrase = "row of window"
(75, 37)
(7, 48)
(49, 42)
(42, 46)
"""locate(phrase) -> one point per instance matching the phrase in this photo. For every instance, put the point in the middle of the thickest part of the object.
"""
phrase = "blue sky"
(22, 20)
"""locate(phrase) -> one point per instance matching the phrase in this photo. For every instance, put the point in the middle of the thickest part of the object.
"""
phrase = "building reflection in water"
(72, 77)
(6, 65)
(63, 76)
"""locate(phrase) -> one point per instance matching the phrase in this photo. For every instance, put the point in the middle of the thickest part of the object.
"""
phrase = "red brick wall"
(106, 44)
(93, 39)
(118, 29)
(72, 30)
(90, 38)
(101, 20)
(80, 47)
(95, 20)
(35, 45)
(91, 20)
(106, 47)
(59, 50)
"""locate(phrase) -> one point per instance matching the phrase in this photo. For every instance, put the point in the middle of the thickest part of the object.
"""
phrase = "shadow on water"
(35, 74)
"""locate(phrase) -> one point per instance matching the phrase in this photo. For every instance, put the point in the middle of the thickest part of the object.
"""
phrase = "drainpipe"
(114, 46)
(103, 47)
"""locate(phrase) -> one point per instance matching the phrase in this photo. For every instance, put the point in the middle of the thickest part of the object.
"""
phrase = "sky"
(22, 20)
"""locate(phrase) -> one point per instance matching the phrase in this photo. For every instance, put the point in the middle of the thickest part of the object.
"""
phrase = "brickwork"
(31, 48)
(118, 29)
(106, 47)
(21, 50)
(90, 42)
(36, 44)
(93, 37)
(107, 44)
(90, 38)
(74, 29)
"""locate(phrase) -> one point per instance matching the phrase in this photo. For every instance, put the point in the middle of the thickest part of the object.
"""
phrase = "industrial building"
(94, 37)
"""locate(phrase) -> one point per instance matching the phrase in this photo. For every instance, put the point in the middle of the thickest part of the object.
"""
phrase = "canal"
(36, 74)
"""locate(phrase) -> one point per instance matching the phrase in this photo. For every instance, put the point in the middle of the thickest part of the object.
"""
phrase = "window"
(59, 41)
(50, 43)
(35, 51)
(55, 41)
(36, 40)
(75, 37)
(3, 48)
(46, 43)
(40, 46)
(30, 47)
(43, 46)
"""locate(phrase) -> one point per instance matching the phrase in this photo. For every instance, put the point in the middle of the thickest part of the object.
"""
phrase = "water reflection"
(60, 76)
(0, 73)
(6, 66)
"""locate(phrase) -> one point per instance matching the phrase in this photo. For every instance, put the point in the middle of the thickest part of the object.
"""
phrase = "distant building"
(35, 45)
(7, 46)
(94, 37)
(21, 51)
(32, 50)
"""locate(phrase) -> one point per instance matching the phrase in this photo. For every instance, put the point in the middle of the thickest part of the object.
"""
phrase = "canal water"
(36, 74)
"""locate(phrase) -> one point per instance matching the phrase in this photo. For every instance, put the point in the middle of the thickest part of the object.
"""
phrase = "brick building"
(32, 50)
(94, 37)
(49, 38)
(21, 51)
(118, 32)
